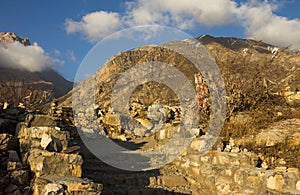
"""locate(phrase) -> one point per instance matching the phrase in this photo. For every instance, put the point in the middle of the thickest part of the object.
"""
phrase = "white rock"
(53, 188)
(235, 149)
(145, 122)
(264, 165)
(45, 141)
(282, 161)
(231, 142)
(195, 131)
(161, 134)
(5, 105)
(227, 148)
(298, 186)
(122, 138)
(271, 183)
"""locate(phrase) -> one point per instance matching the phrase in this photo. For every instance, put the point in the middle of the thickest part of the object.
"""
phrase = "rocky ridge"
(10, 37)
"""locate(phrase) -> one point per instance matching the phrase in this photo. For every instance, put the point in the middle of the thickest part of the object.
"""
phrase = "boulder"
(49, 138)
(51, 163)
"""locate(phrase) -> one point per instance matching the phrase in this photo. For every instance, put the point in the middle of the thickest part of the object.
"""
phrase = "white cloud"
(96, 25)
(182, 14)
(261, 23)
(71, 55)
(32, 57)
(56, 52)
(257, 17)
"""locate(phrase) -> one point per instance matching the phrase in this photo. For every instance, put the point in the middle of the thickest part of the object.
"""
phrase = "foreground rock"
(53, 163)
(45, 148)
(46, 185)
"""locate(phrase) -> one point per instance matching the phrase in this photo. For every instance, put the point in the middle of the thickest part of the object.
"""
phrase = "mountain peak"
(10, 37)
(236, 44)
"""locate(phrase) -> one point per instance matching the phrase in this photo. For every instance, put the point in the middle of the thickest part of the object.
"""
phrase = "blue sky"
(67, 30)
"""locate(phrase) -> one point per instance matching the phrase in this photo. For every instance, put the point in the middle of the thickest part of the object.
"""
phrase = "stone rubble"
(39, 158)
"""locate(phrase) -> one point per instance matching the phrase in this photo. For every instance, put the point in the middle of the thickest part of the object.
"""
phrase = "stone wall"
(219, 172)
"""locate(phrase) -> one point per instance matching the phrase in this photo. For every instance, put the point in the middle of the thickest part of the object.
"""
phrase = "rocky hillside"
(262, 85)
(256, 75)
(29, 88)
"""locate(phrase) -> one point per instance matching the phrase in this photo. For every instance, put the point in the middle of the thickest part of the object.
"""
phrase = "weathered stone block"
(275, 182)
(52, 163)
(66, 185)
(298, 186)
(43, 137)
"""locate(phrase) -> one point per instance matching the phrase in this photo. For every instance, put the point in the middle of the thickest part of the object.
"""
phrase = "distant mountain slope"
(236, 43)
(258, 77)
(23, 86)
(252, 69)
(50, 78)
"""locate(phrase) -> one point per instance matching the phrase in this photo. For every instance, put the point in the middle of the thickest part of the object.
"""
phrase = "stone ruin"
(38, 158)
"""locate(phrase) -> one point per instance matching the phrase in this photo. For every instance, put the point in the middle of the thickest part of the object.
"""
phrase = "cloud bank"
(33, 57)
(95, 25)
(257, 18)
(261, 23)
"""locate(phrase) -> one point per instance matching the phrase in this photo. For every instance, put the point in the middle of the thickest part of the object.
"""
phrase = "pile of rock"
(37, 156)
(56, 168)
(15, 176)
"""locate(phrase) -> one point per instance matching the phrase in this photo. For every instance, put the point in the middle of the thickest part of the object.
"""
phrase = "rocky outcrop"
(10, 37)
